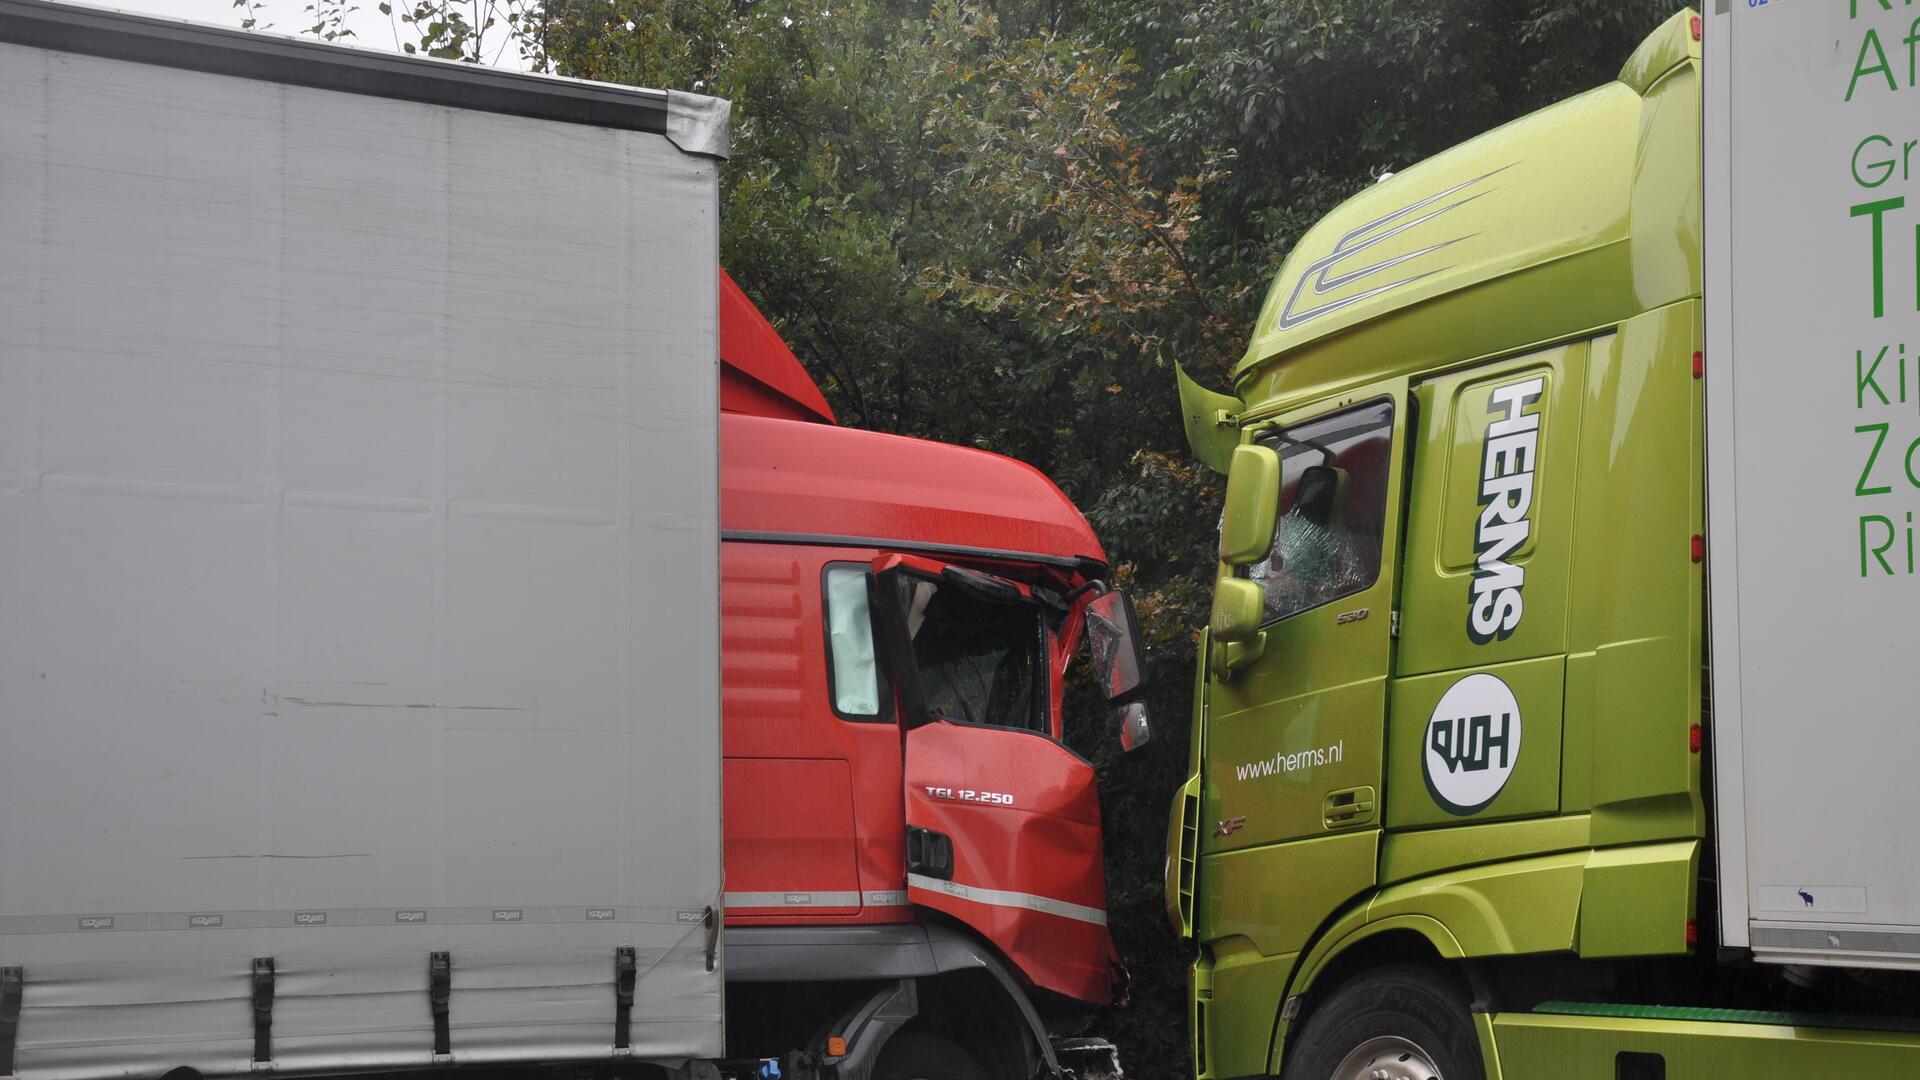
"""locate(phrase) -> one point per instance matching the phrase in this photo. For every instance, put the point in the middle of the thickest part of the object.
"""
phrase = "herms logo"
(1508, 459)
(1472, 744)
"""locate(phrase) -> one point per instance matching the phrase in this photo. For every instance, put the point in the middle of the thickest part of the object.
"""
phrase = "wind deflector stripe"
(171, 43)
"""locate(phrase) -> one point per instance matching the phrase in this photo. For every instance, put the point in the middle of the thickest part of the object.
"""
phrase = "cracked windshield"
(1333, 494)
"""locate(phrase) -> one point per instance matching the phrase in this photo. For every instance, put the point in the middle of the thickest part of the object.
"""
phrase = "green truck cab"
(1446, 812)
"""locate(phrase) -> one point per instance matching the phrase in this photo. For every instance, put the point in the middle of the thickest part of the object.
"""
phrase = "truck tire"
(912, 1055)
(1397, 1023)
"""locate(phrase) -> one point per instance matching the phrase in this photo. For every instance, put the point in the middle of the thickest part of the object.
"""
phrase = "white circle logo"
(1472, 744)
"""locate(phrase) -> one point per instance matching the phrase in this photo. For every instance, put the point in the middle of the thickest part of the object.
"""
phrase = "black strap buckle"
(13, 982)
(626, 970)
(439, 993)
(263, 1008)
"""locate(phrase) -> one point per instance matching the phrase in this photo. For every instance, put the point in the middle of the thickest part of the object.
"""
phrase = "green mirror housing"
(1238, 606)
(1253, 506)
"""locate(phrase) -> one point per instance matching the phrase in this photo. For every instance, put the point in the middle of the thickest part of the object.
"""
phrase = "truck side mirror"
(1238, 605)
(1135, 730)
(1114, 635)
(1253, 505)
(1120, 663)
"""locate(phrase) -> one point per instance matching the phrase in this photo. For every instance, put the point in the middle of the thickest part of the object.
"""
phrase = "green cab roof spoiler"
(1677, 41)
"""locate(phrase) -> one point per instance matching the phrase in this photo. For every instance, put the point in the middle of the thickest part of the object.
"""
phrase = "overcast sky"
(371, 29)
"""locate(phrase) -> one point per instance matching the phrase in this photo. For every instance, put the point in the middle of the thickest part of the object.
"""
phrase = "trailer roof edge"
(178, 43)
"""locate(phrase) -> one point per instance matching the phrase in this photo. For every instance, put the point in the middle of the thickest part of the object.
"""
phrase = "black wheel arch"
(963, 990)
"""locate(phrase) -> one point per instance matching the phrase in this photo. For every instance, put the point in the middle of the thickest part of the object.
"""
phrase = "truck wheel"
(915, 1056)
(1397, 1023)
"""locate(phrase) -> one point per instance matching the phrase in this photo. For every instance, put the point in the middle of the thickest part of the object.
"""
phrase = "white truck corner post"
(1813, 337)
(359, 700)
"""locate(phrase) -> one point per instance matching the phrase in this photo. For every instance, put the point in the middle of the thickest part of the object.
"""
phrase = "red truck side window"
(853, 667)
(980, 662)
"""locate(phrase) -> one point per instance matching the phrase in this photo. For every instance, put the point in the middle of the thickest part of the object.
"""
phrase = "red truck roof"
(787, 473)
(808, 482)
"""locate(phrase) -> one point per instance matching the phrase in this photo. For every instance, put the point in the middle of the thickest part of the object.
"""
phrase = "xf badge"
(1229, 826)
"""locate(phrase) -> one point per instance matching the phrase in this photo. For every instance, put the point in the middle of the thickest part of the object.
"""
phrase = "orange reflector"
(1694, 23)
(1699, 547)
(836, 1046)
(1699, 364)
(1693, 738)
(1693, 933)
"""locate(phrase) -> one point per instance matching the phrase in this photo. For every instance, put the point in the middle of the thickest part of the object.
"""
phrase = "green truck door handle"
(1348, 807)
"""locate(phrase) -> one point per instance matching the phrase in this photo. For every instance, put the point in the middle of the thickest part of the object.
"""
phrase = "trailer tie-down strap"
(263, 1008)
(439, 990)
(625, 973)
(712, 923)
(12, 985)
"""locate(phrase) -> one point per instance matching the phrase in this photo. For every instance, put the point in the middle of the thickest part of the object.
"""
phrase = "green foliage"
(472, 31)
(998, 225)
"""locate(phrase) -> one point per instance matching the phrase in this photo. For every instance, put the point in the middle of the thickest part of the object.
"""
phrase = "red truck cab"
(898, 621)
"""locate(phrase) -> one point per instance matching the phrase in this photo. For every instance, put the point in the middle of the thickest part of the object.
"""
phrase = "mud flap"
(867, 1027)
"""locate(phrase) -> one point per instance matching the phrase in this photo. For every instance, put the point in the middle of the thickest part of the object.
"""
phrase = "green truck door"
(1474, 710)
(1296, 737)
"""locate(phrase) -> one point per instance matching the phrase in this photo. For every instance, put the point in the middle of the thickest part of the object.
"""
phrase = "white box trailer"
(1813, 337)
(359, 665)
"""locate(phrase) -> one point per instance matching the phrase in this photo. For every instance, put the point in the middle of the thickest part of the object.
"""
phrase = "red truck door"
(1003, 821)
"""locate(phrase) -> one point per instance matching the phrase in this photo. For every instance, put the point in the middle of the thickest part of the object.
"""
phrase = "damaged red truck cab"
(898, 622)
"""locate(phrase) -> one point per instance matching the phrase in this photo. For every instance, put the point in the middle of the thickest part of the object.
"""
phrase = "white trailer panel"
(1813, 336)
(358, 563)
